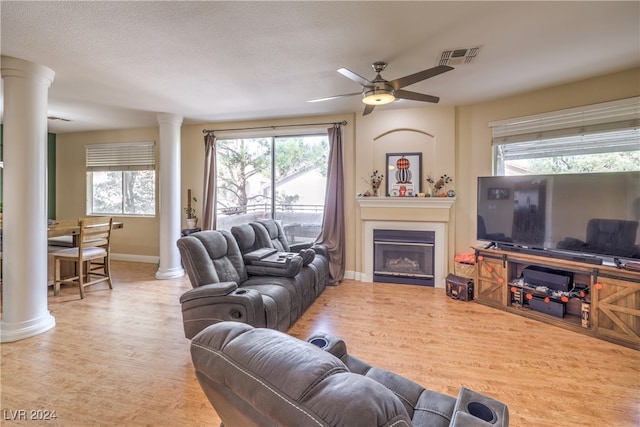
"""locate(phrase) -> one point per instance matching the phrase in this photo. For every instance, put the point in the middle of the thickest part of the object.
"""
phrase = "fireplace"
(403, 256)
(408, 214)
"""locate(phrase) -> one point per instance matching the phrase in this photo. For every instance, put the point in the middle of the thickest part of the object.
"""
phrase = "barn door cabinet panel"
(616, 310)
(604, 301)
(490, 280)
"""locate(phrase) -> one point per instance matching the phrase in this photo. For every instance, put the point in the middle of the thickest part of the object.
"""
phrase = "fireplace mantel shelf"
(406, 202)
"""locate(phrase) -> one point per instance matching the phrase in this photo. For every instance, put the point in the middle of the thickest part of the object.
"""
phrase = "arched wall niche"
(401, 141)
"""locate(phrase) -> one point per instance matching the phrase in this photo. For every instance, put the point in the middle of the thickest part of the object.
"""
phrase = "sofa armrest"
(211, 290)
(321, 250)
(329, 343)
(218, 302)
(476, 410)
(297, 247)
(318, 249)
(338, 348)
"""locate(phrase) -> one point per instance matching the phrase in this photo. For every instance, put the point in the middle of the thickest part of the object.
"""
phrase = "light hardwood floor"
(119, 356)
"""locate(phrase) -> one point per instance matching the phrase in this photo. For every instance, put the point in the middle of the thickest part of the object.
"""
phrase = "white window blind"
(123, 156)
(607, 127)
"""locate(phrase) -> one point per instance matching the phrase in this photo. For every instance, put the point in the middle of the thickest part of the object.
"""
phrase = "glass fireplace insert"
(403, 256)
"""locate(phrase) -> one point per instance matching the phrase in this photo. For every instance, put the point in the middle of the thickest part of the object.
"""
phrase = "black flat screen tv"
(589, 217)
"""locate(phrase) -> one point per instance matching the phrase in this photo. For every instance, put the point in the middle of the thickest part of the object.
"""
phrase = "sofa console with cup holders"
(270, 233)
(257, 377)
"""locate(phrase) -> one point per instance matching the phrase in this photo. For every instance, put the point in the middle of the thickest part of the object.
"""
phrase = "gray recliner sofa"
(261, 377)
(226, 288)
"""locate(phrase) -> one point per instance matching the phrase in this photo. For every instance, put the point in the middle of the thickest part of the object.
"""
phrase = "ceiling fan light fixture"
(378, 97)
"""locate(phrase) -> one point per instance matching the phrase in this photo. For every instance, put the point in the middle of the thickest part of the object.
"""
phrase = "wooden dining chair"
(91, 256)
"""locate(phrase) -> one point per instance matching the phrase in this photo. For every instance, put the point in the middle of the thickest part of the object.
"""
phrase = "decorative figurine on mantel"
(374, 181)
(437, 185)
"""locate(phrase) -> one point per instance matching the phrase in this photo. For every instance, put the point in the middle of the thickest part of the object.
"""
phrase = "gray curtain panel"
(209, 188)
(332, 232)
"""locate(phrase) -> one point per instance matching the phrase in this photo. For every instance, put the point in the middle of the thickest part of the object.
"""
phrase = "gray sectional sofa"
(262, 377)
(249, 275)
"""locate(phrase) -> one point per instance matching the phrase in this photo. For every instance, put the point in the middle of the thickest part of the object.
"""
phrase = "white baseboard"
(352, 275)
(135, 258)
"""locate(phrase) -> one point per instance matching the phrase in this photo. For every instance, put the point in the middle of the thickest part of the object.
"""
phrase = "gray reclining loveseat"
(262, 377)
(230, 285)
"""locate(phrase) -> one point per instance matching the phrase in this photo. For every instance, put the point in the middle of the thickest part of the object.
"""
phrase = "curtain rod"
(343, 123)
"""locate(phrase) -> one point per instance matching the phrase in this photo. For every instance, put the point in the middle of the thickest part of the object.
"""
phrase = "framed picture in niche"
(404, 174)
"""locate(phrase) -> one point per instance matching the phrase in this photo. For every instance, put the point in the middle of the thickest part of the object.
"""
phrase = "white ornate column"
(169, 195)
(24, 291)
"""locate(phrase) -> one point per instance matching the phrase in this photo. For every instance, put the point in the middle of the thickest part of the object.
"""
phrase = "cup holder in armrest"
(482, 411)
(329, 343)
(320, 342)
(240, 292)
(474, 409)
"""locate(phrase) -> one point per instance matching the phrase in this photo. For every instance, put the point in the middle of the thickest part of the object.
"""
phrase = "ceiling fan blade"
(414, 96)
(419, 76)
(334, 97)
(355, 77)
(368, 109)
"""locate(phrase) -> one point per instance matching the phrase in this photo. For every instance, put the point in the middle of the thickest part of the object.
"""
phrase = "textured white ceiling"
(117, 64)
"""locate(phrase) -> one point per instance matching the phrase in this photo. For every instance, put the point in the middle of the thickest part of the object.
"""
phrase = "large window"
(121, 179)
(596, 138)
(273, 177)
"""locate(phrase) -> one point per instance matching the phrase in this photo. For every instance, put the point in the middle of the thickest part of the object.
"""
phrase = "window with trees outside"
(596, 138)
(283, 178)
(121, 179)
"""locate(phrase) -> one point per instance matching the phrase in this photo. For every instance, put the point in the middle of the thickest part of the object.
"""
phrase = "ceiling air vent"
(458, 56)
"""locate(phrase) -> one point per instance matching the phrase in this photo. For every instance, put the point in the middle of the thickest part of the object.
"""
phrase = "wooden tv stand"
(609, 308)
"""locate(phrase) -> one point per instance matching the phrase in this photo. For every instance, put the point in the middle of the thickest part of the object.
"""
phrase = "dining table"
(71, 227)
